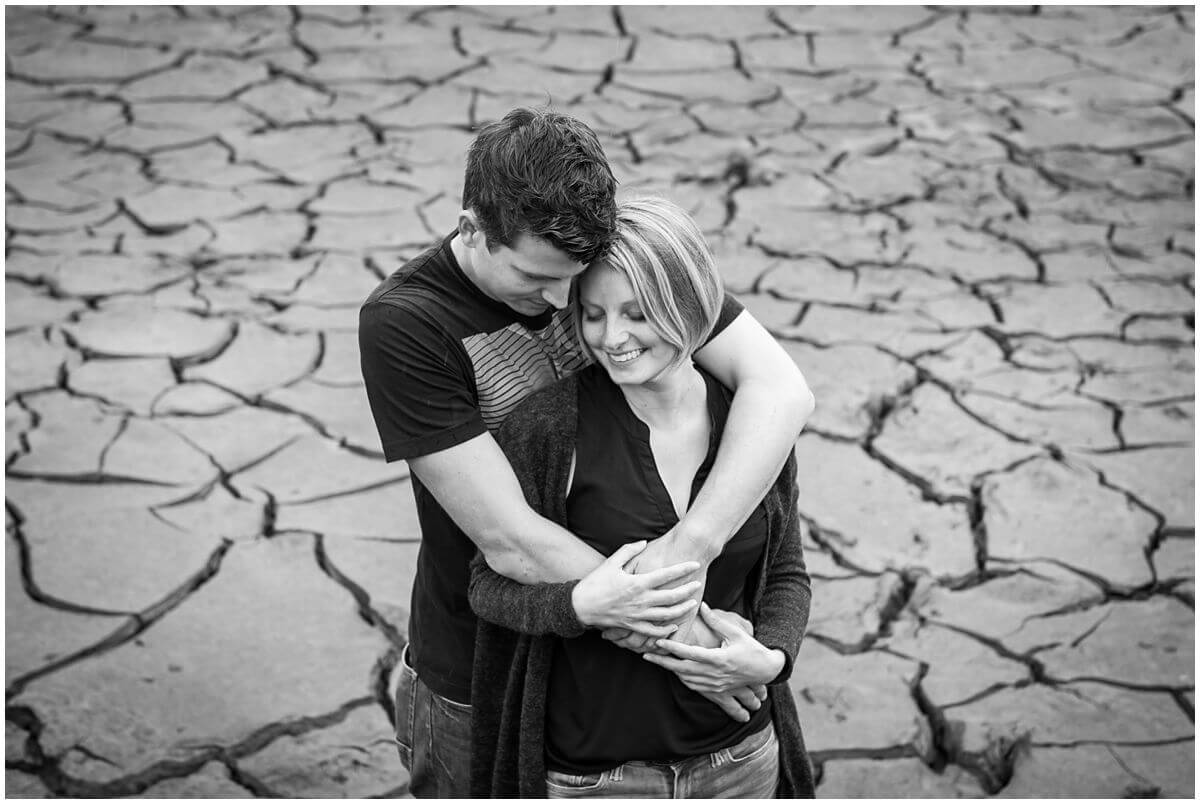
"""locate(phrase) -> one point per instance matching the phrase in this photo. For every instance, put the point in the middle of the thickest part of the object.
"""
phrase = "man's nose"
(557, 293)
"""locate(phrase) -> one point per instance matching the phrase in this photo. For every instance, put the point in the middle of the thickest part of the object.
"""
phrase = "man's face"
(530, 276)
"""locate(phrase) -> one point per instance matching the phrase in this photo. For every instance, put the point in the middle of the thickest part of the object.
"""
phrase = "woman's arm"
(542, 608)
(739, 660)
(783, 610)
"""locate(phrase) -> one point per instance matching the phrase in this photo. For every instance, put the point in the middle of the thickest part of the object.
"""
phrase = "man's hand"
(738, 662)
(611, 597)
(673, 546)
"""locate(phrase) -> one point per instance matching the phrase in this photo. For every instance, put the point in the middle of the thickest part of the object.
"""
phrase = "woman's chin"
(634, 376)
(621, 375)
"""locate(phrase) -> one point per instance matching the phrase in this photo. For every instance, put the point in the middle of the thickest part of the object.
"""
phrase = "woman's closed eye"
(633, 314)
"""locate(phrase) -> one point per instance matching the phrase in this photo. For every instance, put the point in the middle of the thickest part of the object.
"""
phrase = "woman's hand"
(610, 597)
(739, 703)
(740, 660)
(624, 638)
(698, 634)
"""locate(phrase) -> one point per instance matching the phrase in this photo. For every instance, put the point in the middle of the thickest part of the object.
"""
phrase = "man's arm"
(730, 667)
(475, 484)
(534, 563)
(418, 384)
(767, 655)
(771, 403)
(599, 600)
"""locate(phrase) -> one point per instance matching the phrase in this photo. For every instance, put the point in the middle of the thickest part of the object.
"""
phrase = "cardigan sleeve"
(540, 608)
(787, 592)
(537, 438)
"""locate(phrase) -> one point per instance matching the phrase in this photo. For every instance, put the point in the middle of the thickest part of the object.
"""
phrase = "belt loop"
(718, 758)
(615, 775)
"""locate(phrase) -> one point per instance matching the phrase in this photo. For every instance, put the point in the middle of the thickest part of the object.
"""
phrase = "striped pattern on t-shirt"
(512, 363)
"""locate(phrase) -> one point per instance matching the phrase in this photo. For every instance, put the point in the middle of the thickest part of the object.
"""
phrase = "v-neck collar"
(613, 401)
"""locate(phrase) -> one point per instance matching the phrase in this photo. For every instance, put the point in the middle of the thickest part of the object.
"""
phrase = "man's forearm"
(531, 549)
(763, 425)
(475, 484)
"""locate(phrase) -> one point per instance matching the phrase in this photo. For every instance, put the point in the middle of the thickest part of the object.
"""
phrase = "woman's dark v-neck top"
(607, 705)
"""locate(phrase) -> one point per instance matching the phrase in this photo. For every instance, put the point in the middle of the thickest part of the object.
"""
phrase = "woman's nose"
(614, 334)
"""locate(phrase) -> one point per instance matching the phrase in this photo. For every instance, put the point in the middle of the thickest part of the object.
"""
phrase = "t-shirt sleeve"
(731, 308)
(418, 383)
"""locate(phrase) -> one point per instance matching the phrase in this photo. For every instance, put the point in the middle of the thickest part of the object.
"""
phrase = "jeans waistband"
(716, 758)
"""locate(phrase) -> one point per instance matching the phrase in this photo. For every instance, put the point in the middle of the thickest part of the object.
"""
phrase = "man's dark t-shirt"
(443, 363)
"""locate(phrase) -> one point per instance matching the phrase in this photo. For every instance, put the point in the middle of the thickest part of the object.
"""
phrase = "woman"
(616, 453)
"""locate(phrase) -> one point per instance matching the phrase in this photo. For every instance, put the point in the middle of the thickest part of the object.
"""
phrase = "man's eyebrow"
(527, 272)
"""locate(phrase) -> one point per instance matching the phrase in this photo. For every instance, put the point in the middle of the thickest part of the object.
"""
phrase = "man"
(454, 340)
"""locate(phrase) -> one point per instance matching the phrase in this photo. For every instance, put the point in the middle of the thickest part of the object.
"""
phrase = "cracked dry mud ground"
(973, 229)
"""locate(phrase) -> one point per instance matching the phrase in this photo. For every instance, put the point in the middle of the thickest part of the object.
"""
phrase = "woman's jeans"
(749, 769)
(434, 737)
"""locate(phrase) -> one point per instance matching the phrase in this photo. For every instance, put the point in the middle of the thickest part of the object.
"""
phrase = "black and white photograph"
(599, 401)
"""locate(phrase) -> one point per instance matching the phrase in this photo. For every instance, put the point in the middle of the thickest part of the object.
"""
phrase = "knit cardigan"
(518, 623)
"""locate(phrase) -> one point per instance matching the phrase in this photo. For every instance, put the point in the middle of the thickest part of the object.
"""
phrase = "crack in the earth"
(1185, 705)
(246, 780)
(311, 56)
(122, 426)
(1161, 340)
(895, 601)
(381, 675)
(977, 521)
(831, 541)
(86, 478)
(934, 18)
(22, 437)
(1170, 689)
(136, 624)
(225, 474)
(362, 598)
(935, 754)
(48, 769)
(29, 584)
(882, 407)
(119, 81)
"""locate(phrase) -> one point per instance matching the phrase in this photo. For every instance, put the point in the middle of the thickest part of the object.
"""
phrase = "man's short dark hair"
(542, 173)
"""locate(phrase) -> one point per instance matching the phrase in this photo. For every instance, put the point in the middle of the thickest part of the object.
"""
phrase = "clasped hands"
(714, 654)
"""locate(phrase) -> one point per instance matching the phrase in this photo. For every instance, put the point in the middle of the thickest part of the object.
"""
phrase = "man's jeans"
(749, 769)
(434, 737)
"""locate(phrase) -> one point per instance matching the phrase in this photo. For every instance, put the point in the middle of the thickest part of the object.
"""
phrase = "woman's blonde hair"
(660, 250)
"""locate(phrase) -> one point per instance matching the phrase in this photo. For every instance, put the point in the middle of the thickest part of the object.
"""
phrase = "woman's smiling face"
(616, 330)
